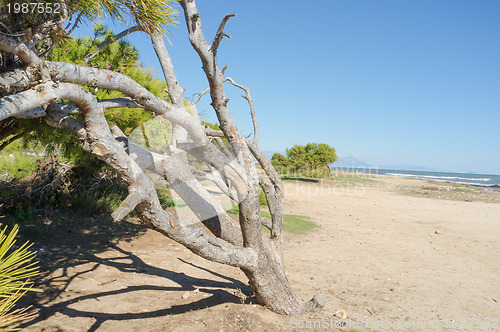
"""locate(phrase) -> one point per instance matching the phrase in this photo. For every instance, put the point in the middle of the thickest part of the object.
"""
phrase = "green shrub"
(262, 198)
(165, 198)
(24, 213)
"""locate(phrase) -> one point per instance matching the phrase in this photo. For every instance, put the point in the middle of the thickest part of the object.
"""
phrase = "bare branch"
(275, 201)
(17, 79)
(223, 147)
(266, 223)
(70, 21)
(213, 133)
(248, 97)
(221, 182)
(101, 143)
(10, 45)
(201, 94)
(274, 193)
(57, 118)
(110, 40)
(107, 79)
(119, 102)
(204, 206)
(27, 100)
(175, 91)
(266, 164)
(128, 205)
(71, 108)
(38, 112)
(249, 218)
(13, 139)
(77, 21)
(220, 34)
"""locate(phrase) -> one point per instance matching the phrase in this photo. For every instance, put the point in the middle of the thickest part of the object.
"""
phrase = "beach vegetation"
(295, 224)
(292, 223)
(310, 160)
(86, 101)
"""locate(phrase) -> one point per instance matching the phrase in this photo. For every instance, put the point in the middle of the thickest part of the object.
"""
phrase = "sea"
(486, 181)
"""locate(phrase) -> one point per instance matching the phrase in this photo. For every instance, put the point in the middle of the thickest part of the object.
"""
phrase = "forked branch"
(248, 97)
(220, 34)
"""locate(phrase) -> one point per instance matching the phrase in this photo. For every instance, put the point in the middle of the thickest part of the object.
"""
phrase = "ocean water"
(487, 181)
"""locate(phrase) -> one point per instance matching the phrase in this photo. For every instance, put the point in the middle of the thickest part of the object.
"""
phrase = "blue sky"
(387, 81)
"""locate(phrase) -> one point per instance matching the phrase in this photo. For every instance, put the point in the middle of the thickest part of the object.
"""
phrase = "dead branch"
(220, 34)
(265, 164)
(77, 21)
(223, 147)
(13, 139)
(213, 133)
(100, 142)
(110, 40)
(10, 45)
(207, 209)
(231, 167)
(175, 91)
(71, 108)
(127, 206)
(201, 94)
(248, 97)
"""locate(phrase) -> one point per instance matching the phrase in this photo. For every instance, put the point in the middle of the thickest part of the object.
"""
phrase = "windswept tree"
(309, 157)
(32, 86)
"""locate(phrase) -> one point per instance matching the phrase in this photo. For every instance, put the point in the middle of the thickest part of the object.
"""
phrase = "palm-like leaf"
(150, 14)
(16, 269)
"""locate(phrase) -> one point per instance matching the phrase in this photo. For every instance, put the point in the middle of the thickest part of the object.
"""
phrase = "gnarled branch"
(201, 94)
(248, 97)
(100, 142)
(10, 45)
(220, 34)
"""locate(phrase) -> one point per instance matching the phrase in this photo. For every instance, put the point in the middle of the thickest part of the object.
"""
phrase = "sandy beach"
(388, 254)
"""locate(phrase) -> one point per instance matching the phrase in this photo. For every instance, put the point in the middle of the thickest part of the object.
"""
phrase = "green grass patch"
(17, 162)
(293, 223)
(262, 198)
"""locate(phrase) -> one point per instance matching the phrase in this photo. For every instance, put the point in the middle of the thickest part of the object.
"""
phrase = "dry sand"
(393, 254)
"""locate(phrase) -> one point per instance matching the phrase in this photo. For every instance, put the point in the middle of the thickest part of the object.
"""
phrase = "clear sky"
(402, 82)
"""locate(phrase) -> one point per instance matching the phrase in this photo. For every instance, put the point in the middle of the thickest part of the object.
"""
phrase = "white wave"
(475, 184)
(437, 177)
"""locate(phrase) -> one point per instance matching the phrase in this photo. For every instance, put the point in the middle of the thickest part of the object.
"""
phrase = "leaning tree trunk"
(41, 85)
(268, 280)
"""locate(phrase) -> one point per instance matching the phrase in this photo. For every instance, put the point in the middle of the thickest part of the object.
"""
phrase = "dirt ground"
(389, 254)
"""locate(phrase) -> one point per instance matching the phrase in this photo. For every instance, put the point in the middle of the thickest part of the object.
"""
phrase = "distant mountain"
(407, 168)
(349, 161)
(353, 162)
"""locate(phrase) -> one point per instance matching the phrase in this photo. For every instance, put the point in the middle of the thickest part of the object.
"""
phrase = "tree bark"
(268, 281)
(231, 168)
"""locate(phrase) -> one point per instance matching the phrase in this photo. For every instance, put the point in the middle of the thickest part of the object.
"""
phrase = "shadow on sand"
(288, 178)
(62, 248)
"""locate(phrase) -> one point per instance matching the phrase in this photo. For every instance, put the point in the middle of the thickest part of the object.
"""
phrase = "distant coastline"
(487, 181)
